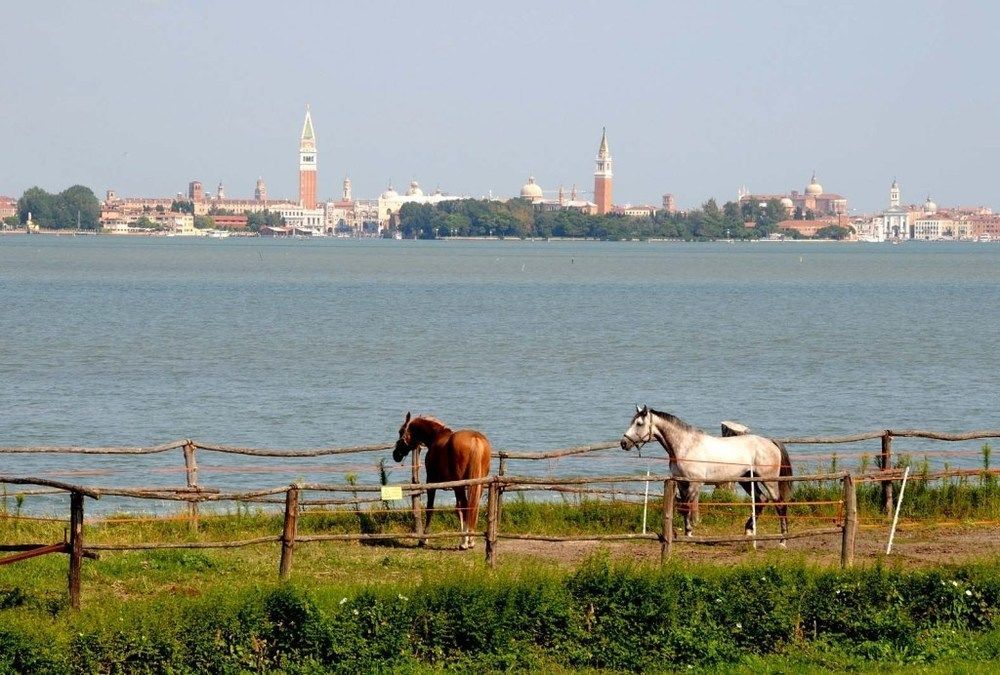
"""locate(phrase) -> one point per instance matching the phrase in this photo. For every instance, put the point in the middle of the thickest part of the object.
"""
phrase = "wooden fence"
(496, 485)
(294, 497)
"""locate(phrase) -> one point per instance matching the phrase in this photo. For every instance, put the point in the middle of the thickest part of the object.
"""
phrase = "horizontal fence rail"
(302, 494)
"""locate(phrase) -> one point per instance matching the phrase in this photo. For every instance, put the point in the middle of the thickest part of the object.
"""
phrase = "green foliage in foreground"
(599, 616)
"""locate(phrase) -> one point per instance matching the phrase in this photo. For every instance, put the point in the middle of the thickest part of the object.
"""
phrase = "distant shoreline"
(652, 240)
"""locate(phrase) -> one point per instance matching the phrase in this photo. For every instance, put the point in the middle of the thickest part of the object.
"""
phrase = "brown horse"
(451, 455)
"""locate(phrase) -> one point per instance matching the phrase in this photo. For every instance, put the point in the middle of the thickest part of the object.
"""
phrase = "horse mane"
(674, 419)
(433, 420)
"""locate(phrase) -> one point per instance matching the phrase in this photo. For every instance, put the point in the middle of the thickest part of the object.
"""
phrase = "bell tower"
(307, 164)
(894, 193)
(603, 176)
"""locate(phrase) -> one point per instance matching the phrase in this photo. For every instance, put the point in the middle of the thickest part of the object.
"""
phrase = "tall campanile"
(307, 164)
(603, 176)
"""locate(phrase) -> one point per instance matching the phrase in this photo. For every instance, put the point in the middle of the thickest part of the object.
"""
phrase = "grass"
(360, 609)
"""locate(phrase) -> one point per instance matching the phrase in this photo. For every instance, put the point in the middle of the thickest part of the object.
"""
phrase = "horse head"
(405, 443)
(640, 429)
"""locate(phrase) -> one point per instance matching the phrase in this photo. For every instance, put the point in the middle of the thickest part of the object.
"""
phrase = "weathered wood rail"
(289, 537)
(294, 497)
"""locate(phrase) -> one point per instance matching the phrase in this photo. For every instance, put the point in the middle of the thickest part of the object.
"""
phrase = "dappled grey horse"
(697, 458)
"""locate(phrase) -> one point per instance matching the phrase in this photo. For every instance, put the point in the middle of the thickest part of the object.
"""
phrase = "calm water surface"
(295, 343)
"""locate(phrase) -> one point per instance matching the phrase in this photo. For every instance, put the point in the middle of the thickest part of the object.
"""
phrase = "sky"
(698, 98)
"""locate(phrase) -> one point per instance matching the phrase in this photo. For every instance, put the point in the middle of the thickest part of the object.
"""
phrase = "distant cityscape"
(198, 212)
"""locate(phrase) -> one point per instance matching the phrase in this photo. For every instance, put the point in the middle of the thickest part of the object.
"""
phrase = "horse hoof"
(422, 543)
(748, 533)
(782, 544)
(463, 547)
(472, 544)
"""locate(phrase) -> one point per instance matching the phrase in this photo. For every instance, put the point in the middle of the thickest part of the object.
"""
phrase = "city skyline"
(706, 101)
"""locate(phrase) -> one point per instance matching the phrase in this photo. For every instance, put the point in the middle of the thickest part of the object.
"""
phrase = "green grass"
(425, 611)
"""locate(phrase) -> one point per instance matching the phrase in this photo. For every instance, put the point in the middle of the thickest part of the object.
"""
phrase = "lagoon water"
(297, 343)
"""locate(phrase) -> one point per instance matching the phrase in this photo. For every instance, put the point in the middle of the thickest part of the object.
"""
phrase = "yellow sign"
(391, 492)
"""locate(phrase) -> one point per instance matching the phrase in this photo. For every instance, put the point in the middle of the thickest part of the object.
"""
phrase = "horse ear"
(407, 420)
(645, 409)
(637, 408)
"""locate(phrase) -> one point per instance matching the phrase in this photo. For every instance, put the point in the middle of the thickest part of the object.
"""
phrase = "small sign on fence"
(391, 493)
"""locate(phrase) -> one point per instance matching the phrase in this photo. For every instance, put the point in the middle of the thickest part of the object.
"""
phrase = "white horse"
(697, 458)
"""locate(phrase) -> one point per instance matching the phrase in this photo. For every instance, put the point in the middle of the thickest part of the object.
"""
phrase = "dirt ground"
(915, 544)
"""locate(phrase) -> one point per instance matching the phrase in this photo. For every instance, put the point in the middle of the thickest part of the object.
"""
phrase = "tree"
(182, 206)
(255, 221)
(80, 201)
(203, 222)
(832, 232)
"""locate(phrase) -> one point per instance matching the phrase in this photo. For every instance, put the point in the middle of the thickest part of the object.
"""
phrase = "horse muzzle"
(627, 443)
(400, 451)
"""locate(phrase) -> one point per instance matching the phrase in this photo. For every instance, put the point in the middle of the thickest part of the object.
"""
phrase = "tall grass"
(602, 615)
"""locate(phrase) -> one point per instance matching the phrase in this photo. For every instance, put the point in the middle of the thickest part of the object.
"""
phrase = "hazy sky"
(698, 97)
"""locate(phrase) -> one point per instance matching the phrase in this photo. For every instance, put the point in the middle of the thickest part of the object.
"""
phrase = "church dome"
(930, 206)
(414, 190)
(787, 203)
(814, 188)
(389, 193)
(531, 189)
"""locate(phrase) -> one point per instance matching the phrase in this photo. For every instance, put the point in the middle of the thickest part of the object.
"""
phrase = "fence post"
(885, 463)
(75, 548)
(492, 524)
(850, 522)
(288, 533)
(667, 531)
(191, 468)
(418, 521)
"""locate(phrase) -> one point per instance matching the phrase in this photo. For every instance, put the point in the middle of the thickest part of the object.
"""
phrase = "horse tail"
(784, 487)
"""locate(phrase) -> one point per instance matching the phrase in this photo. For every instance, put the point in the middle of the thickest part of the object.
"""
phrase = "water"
(294, 343)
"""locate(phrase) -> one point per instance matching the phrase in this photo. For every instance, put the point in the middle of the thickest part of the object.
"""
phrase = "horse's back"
(469, 453)
(727, 457)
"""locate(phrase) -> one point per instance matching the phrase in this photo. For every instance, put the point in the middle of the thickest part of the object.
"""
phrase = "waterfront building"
(814, 201)
(635, 211)
(390, 202)
(603, 176)
(893, 223)
(8, 207)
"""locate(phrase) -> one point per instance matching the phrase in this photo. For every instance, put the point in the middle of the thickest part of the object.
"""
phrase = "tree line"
(74, 205)
(520, 218)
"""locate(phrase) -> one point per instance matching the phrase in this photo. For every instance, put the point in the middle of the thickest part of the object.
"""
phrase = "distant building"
(307, 164)
(8, 207)
(638, 211)
(603, 176)
(817, 201)
(809, 228)
(391, 202)
(813, 201)
(892, 223)
(669, 204)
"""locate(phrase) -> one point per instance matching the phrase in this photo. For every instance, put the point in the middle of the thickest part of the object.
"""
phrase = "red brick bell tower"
(603, 176)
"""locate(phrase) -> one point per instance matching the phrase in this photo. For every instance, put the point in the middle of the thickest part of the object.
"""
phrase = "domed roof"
(787, 202)
(930, 206)
(414, 190)
(531, 189)
(389, 193)
(814, 188)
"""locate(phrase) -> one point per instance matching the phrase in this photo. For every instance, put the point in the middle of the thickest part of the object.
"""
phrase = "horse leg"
(427, 516)
(775, 494)
(691, 507)
(474, 493)
(462, 508)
